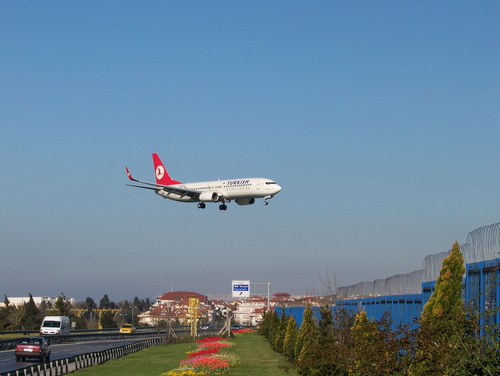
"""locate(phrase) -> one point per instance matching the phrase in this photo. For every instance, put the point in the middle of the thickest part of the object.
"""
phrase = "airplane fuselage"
(225, 190)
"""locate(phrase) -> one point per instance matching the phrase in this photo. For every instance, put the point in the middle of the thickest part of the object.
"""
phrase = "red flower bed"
(242, 330)
(207, 360)
(214, 344)
(213, 350)
(212, 363)
(209, 339)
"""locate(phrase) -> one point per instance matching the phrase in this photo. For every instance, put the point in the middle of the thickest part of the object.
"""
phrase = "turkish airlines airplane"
(242, 191)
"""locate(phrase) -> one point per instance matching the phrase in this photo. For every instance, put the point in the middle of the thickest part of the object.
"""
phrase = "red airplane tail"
(161, 173)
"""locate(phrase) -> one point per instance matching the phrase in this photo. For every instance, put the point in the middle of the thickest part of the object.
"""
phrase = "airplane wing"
(141, 186)
(183, 192)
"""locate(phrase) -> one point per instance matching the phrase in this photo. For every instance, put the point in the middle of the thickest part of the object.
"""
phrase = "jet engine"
(209, 197)
(245, 201)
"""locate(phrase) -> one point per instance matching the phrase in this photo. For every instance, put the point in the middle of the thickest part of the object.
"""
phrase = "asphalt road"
(60, 351)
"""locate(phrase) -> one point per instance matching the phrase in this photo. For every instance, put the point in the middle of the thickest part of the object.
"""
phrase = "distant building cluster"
(174, 307)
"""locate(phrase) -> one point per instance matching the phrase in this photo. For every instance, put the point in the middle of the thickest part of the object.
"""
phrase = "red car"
(33, 347)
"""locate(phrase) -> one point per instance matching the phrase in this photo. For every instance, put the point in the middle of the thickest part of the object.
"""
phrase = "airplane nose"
(278, 188)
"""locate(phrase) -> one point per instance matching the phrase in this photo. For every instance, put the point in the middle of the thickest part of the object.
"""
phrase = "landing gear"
(201, 205)
(267, 198)
(223, 206)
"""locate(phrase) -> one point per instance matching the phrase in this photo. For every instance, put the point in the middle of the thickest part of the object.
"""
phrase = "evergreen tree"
(106, 318)
(4, 314)
(16, 317)
(367, 347)
(62, 306)
(31, 319)
(332, 353)
(304, 365)
(280, 335)
(343, 341)
(322, 357)
(443, 322)
(325, 326)
(125, 314)
(90, 305)
(42, 310)
(306, 340)
(263, 329)
(290, 340)
(274, 324)
(446, 302)
(104, 303)
(137, 304)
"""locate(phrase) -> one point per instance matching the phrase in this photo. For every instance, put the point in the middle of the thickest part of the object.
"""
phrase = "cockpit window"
(270, 182)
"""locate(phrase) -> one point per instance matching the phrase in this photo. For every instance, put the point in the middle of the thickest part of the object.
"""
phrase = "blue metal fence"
(481, 288)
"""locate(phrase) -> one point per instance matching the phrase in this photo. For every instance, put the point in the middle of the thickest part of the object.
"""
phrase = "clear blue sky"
(380, 120)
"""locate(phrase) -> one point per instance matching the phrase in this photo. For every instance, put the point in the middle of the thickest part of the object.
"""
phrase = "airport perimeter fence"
(403, 296)
(482, 244)
(75, 363)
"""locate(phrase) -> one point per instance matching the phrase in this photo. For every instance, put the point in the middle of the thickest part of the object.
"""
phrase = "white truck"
(55, 325)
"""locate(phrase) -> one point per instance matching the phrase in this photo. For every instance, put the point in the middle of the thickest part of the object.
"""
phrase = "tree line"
(86, 314)
(450, 337)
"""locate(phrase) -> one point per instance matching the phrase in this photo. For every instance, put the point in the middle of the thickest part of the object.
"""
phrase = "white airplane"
(242, 191)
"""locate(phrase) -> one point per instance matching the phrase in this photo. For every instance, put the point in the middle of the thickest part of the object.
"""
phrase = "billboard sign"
(241, 289)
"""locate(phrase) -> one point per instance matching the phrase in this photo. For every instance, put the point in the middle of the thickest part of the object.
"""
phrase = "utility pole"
(268, 292)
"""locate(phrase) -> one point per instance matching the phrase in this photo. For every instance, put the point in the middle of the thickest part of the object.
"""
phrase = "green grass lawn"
(154, 360)
(258, 359)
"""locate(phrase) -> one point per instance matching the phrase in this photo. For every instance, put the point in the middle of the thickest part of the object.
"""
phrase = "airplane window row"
(220, 187)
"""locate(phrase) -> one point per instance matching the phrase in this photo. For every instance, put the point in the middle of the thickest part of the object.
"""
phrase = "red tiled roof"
(282, 295)
(178, 295)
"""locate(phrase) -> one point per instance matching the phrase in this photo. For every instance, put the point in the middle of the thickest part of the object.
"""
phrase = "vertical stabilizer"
(161, 173)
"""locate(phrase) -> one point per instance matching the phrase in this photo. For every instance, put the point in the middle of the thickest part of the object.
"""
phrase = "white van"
(59, 325)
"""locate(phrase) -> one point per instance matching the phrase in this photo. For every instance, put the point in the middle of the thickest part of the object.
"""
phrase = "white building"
(249, 312)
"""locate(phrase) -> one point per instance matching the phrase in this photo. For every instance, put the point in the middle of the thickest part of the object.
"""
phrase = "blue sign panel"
(240, 287)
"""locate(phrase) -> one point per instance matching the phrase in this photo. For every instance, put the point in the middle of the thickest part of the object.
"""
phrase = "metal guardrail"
(80, 331)
(8, 344)
(71, 364)
(97, 335)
